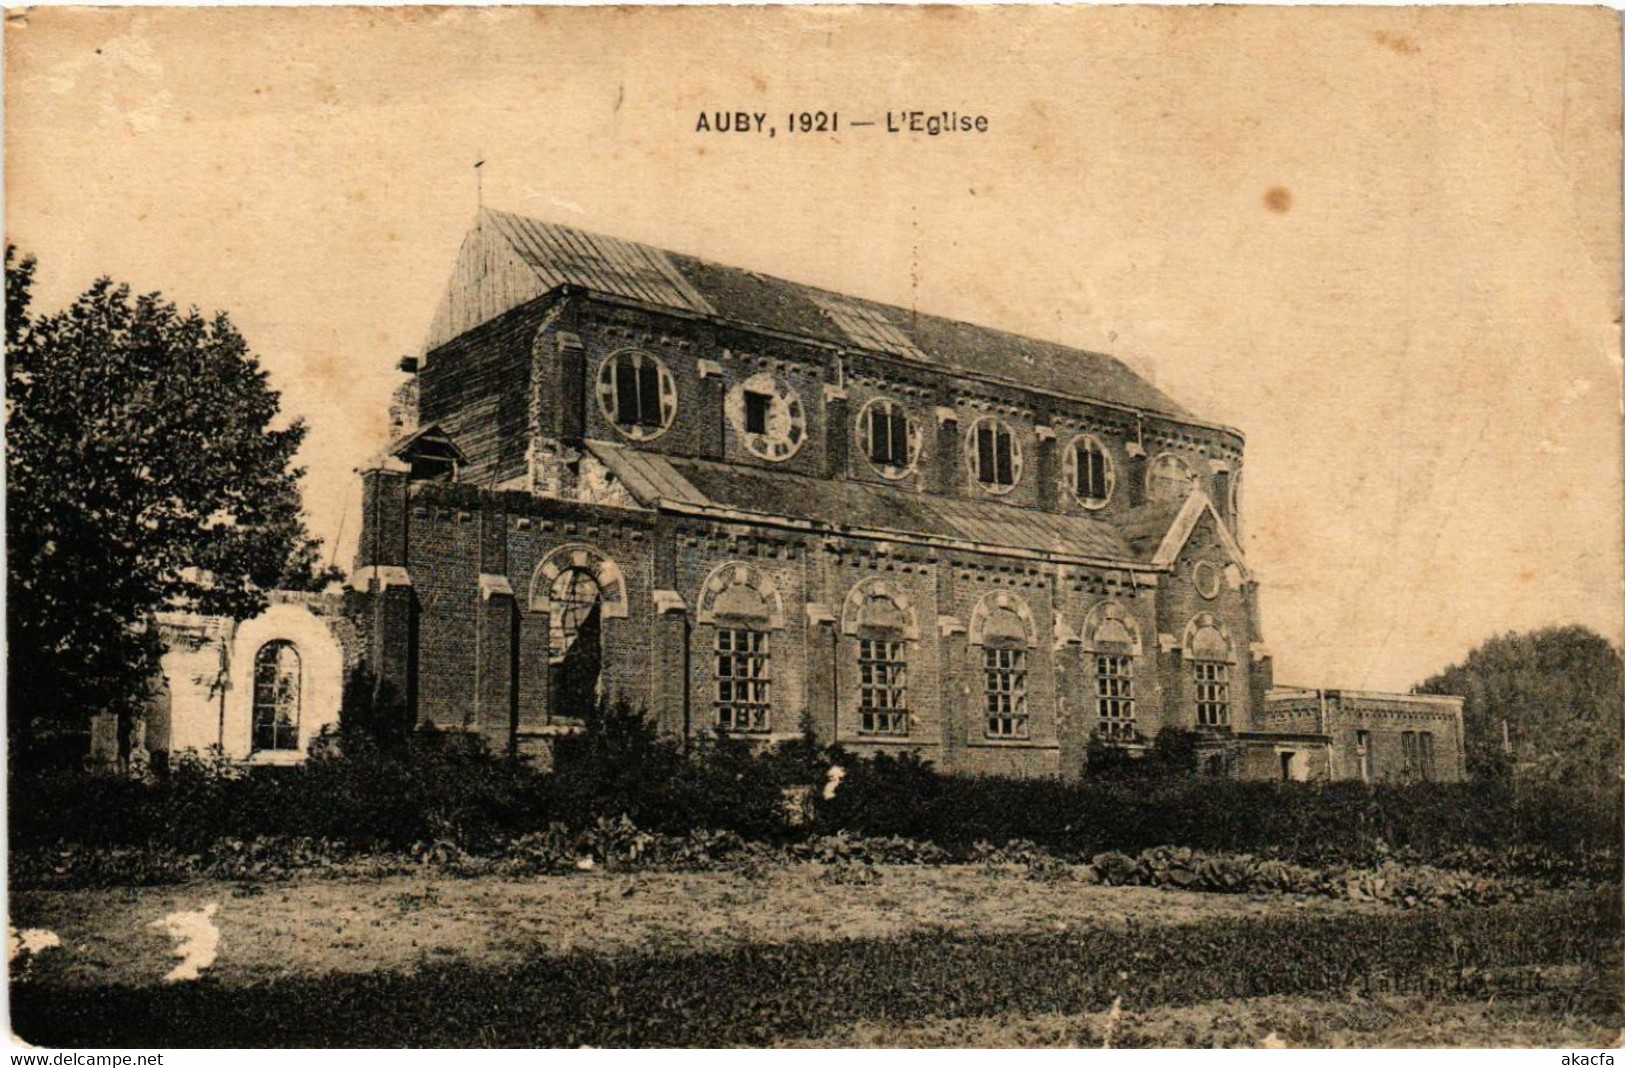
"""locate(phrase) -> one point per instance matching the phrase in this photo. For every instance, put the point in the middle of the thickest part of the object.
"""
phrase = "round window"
(768, 416)
(994, 455)
(1089, 471)
(1169, 478)
(637, 394)
(890, 438)
(1206, 575)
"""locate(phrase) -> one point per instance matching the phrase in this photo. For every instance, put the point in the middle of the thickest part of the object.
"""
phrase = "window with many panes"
(995, 456)
(1114, 695)
(882, 687)
(276, 696)
(1212, 693)
(1006, 673)
(744, 685)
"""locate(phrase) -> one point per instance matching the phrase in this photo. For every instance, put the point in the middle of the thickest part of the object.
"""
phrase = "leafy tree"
(1559, 693)
(145, 472)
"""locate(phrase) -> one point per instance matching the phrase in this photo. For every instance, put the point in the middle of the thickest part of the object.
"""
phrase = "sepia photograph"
(814, 526)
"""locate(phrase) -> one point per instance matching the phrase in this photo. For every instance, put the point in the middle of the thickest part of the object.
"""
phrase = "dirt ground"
(315, 926)
(1287, 1022)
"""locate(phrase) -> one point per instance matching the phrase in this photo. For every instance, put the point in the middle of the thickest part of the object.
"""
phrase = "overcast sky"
(1382, 242)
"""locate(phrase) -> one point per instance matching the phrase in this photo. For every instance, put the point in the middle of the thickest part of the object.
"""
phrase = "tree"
(145, 472)
(1558, 691)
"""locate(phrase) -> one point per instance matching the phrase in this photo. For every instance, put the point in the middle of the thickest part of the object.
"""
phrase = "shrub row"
(762, 993)
(1495, 828)
(1408, 886)
(619, 844)
(446, 789)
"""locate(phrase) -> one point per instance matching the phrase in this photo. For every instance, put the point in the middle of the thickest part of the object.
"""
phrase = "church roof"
(688, 484)
(509, 259)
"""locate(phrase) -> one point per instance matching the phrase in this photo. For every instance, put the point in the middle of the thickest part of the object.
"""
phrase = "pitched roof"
(429, 440)
(684, 483)
(509, 259)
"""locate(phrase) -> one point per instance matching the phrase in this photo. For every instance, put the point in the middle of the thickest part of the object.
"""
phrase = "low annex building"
(745, 504)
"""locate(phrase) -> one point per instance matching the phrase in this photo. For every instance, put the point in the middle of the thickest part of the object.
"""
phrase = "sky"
(1382, 242)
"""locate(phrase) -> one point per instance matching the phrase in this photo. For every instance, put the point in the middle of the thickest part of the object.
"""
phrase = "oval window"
(637, 394)
(1090, 474)
(994, 455)
(1206, 575)
(890, 439)
(1169, 478)
(768, 416)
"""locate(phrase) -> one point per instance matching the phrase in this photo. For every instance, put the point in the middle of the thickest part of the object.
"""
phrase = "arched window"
(576, 650)
(890, 439)
(879, 616)
(637, 394)
(276, 696)
(994, 455)
(579, 587)
(1089, 472)
(744, 606)
(1169, 478)
(882, 668)
(1004, 664)
(1111, 633)
(1209, 651)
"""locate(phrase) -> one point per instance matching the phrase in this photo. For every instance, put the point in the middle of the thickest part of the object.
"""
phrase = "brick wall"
(477, 388)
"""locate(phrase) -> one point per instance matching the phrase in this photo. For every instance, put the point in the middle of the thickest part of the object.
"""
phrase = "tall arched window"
(1112, 635)
(1004, 666)
(1002, 625)
(743, 603)
(576, 652)
(276, 696)
(882, 668)
(879, 617)
(1209, 652)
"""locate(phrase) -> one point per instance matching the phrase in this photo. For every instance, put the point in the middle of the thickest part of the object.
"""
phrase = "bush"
(620, 766)
(435, 788)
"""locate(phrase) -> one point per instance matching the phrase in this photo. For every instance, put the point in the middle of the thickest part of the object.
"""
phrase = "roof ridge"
(557, 252)
(809, 286)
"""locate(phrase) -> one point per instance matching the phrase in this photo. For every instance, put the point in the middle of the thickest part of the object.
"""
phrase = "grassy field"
(800, 954)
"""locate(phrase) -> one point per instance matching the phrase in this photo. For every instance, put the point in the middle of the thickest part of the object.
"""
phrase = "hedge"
(431, 791)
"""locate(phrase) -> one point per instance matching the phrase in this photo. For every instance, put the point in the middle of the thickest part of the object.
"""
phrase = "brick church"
(748, 505)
